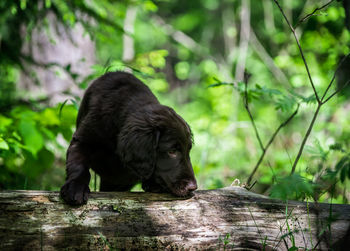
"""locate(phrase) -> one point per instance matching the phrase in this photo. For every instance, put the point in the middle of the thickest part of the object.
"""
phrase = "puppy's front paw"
(75, 193)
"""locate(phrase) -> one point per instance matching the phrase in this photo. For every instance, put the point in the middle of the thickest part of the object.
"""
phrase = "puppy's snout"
(191, 186)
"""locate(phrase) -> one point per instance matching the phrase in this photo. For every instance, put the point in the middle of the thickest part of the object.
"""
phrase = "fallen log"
(230, 218)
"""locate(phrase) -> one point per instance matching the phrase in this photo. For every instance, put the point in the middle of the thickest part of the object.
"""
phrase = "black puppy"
(126, 136)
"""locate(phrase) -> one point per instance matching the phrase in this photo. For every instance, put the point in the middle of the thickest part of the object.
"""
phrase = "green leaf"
(188, 21)
(3, 144)
(150, 6)
(285, 103)
(311, 99)
(308, 100)
(61, 108)
(336, 147)
(317, 151)
(68, 67)
(42, 162)
(157, 58)
(32, 138)
(4, 123)
(292, 187)
(49, 117)
(341, 163)
(48, 133)
(330, 175)
(219, 84)
(343, 174)
(69, 113)
(182, 70)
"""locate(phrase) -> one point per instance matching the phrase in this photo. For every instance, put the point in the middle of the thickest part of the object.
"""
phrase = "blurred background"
(195, 56)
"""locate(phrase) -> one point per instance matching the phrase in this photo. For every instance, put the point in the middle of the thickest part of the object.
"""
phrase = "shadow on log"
(224, 219)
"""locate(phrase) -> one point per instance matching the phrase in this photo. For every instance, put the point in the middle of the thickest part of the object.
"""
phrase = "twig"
(335, 73)
(337, 91)
(312, 124)
(319, 101)
(251, 116)
(312, 13)
(300, 50)
(264, 149)
(280, 127)
(306, 137)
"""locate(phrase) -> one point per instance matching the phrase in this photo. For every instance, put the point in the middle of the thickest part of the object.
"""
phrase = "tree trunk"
(230, 218)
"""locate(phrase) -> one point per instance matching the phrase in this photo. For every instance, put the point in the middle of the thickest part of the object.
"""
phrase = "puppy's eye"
(172, 154)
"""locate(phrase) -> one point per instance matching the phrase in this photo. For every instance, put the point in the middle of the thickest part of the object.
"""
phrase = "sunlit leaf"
(49, 117)
(182, 70)
(32, 138)
(3, 144)
(157, 58)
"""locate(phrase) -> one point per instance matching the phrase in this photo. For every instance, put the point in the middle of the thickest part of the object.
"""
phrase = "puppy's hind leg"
(75, 190)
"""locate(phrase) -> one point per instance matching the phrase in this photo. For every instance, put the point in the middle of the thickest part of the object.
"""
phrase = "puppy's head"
(155, 143)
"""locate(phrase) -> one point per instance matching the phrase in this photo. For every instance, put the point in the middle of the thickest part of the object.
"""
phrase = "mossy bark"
(230, 218)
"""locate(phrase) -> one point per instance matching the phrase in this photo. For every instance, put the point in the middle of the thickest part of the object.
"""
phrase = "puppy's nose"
(191, 186)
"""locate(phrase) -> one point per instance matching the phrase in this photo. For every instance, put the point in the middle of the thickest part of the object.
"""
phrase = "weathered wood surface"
(231, 219)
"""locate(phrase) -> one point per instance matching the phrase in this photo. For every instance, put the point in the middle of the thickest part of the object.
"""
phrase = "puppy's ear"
(137, 145)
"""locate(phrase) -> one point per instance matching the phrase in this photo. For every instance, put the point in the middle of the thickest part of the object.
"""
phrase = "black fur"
(126, 136)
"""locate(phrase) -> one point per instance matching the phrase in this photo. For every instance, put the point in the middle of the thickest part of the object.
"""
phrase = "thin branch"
(280, 127)
(335, 73)
(251, 116)
(270, 142)
(337, 91)
(306, 137)
(312, 13)
(319, 101)
(256, 167)
(300, 49)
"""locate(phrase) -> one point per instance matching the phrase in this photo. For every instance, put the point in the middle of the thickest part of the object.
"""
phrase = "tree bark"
(224, 219)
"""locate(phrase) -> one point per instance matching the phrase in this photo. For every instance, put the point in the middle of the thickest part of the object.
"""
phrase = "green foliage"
(341, 170)
(282, 101)
(317, 151)
(227, 243)
(28, 143)
(292, 187)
